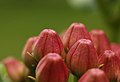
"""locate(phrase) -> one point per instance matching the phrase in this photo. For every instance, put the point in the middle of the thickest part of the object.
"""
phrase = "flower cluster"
(48, 57)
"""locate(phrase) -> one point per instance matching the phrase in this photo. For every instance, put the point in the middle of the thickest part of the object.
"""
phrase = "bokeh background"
(21, 19)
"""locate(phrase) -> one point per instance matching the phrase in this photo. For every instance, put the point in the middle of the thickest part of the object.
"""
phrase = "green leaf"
(3, 74)
(0, 78)
(71, 78)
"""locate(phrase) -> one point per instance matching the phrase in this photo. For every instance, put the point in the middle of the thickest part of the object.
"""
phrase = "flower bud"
(51, 68)
(115, 47)
(94, 75)
(100, 41)
(28, 59)
(81, 57)
(16, 70)
(75, 32)
(111, 64)
(48, 42)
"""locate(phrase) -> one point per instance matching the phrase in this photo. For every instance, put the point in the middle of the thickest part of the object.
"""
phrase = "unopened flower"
(27, 53)
(115, 47)
(81, 57)
(100, 41)
(48, 42)
(75, 32)
(16, 70)
(111, 65)
(94, 75)
(52, 68)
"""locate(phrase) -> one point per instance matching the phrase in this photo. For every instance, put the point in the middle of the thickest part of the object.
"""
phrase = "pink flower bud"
(94, 75)
(115, 47)
(16, 70)
(75, 32)
(51, 68)
(29, 60)
(48, 42)
(100, 41)
(110, 63)
(81, 57)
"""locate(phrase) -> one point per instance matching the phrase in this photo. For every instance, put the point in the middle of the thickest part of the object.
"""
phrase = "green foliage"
(3, 74)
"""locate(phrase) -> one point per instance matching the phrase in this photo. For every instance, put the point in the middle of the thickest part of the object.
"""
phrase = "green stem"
(75, 79)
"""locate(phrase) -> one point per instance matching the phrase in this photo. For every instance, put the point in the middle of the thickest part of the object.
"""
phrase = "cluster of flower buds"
(89, 56)
(86, 50)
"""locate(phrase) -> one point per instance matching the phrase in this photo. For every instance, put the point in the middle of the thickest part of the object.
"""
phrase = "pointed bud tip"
(97, 32)
(94, 75)
(84, 41)
(79, 25)
(54, 56)
(100, 40)
(49, 31)
(75, 32)
(48, 42)
(96, 71)
(115, 47)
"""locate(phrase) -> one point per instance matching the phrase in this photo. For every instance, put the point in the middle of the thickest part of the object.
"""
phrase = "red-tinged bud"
(81, 57)
(94, 75)
(48, 42)
(16, 70)
(100, 41)
(51, 68)
(28, 59)
(115, 47)
(111, 65)
(75, 32)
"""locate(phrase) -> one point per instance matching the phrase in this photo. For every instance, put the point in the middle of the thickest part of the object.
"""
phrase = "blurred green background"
(21, 19)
